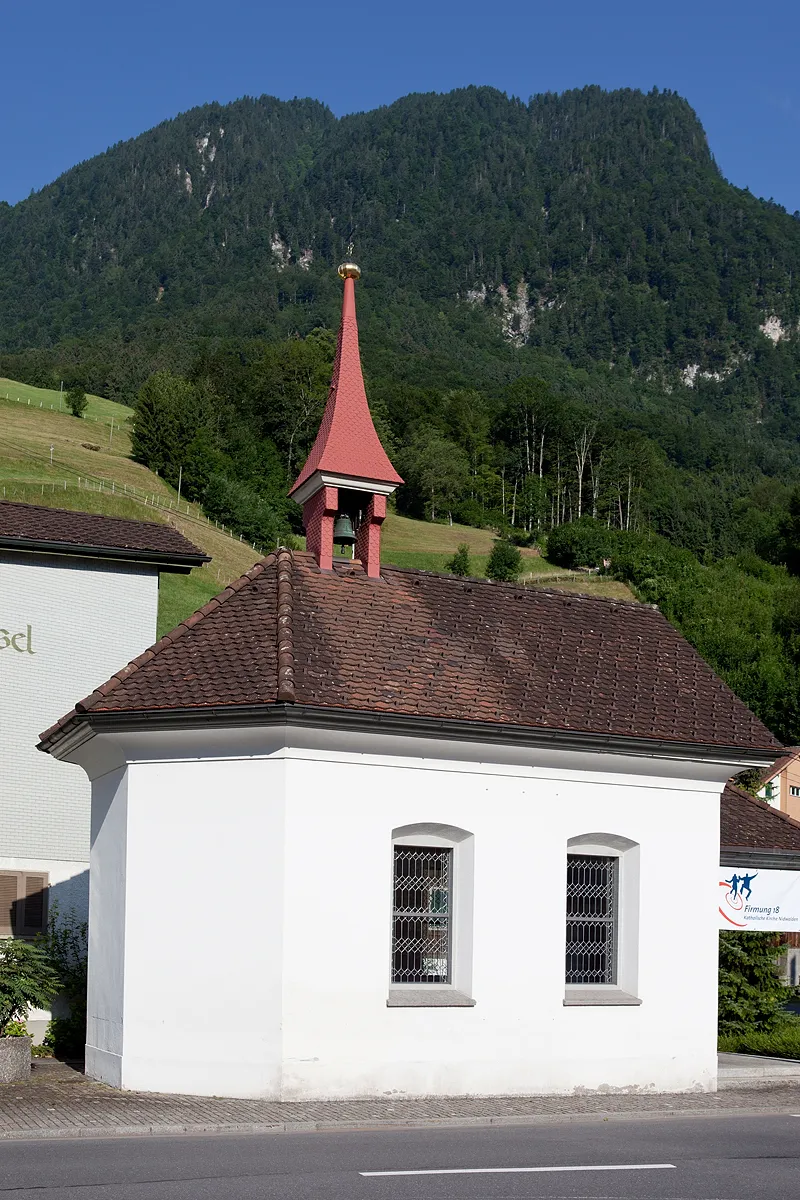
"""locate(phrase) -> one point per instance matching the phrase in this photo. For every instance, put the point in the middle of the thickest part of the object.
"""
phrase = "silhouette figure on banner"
(744, 884)
(734, 885)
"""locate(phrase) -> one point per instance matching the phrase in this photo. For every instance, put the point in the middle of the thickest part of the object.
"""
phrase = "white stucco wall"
(203, 930)
(107, 911)
(76, 622)
(251, 898)
(339, 1036)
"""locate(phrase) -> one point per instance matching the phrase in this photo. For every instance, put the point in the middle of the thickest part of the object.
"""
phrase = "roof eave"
(65, 738)
(303, 489)
(764, 858)
(164, 560)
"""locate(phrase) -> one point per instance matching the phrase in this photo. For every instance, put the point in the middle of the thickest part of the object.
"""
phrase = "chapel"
(415, 834)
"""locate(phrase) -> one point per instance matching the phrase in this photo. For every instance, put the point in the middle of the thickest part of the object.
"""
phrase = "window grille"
(591, 919)
(421, 914)
(794, 791)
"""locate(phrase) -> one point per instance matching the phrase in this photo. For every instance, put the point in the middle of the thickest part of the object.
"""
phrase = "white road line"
(522, 1170)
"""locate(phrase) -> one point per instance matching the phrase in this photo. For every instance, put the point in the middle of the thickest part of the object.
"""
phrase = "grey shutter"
(9, 885)
(34, 904)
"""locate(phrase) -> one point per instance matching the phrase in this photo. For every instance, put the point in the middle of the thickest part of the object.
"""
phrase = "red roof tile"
(749, 823)
(347, 443)
(28, 526)
(417, 644)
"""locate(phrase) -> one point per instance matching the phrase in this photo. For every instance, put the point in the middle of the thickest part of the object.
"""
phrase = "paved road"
(712, 1158)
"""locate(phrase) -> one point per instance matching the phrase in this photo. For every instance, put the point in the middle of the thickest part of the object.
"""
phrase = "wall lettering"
(22, 642)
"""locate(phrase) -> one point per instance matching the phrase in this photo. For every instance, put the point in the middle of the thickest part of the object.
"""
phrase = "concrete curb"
(255, 1127)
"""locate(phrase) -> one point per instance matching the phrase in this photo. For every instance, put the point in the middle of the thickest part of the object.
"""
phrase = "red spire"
(347, 443)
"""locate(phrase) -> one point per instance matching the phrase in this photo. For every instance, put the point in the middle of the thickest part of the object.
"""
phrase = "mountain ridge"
(562, 217)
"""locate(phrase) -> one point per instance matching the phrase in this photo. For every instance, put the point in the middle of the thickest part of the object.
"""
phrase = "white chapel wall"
(272, 878)
(339, 1036)
(107, 947)
(203, 926)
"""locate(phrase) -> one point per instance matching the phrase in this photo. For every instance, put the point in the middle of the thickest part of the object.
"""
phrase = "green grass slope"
(99, 410)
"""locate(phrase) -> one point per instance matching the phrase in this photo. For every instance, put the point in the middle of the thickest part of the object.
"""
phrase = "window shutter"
(34, 906)
(9, 882)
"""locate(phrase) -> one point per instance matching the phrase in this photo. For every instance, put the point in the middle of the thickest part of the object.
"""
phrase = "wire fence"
(121, 423)
(164, 503)
(110, 487)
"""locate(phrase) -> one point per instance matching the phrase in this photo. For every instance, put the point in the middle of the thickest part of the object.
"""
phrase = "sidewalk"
(59, 1102)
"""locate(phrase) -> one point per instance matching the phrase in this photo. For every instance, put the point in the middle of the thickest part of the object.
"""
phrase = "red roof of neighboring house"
(61, 531)
(347, 442)
(420, 645)
(749, 823)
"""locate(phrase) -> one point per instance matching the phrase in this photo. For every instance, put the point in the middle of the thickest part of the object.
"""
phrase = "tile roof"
(749, 823)
(417, 644)
(25, 526)
(347, 442)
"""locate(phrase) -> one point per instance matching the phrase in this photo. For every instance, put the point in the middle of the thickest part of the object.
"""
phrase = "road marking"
(522, 1170)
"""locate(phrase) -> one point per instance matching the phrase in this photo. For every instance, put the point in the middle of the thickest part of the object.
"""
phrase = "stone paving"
(59, 1102)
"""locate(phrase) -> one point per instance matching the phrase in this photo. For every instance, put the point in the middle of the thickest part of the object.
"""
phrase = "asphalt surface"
(697, 1158)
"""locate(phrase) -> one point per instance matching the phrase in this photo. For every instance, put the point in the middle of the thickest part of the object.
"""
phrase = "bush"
(65, 945)
(781, 1042)
(583, 543)
(520, 537)
(76, 401)
(751, 994)
(27, 980)
(505, 563)
(459, 564)
(20, 1029)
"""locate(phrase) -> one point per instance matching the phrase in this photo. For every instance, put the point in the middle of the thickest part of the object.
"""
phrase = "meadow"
(99, 410)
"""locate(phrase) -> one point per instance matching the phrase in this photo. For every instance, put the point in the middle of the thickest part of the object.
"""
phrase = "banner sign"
(750, 899)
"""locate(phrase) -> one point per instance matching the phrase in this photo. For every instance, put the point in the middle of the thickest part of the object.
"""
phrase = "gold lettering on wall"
(22, 641)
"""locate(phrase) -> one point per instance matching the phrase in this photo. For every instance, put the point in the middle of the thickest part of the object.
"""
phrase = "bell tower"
(347, 476)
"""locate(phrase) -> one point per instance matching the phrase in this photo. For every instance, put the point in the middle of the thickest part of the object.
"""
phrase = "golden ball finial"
(349, 270)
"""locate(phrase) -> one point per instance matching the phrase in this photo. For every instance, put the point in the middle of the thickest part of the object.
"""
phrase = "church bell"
(343, 532)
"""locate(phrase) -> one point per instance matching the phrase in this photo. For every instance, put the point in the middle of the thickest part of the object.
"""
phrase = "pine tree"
(751, 994)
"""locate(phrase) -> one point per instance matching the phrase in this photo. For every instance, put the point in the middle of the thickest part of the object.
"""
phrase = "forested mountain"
(565, 308)
(592, 223)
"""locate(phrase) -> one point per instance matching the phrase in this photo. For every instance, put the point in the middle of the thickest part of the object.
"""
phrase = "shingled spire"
(348, 473)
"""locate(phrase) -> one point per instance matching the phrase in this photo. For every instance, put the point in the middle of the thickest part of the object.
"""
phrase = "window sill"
(599, 998)
(428, 997)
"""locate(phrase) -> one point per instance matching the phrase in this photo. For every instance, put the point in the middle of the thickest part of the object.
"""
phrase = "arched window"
(602, 934)
(432, 897)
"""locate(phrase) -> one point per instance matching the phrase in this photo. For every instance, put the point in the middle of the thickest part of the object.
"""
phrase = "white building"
(78, 597)
(430, 835)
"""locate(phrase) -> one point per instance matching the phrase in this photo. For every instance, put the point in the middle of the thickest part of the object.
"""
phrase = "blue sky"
(79, 76)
